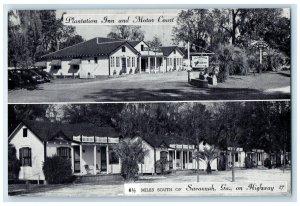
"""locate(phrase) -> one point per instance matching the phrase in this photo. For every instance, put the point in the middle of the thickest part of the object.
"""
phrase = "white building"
(106, 57)
(89, 149)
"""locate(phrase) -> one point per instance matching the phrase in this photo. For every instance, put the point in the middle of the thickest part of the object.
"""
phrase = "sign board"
(200, 61)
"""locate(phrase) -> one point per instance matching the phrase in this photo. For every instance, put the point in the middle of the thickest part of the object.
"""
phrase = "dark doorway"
(184, 159)
(76, 159)
(103, 159)
(174, 63)
(124, 65)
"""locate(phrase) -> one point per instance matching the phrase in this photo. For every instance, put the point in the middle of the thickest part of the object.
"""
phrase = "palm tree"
(208, 154)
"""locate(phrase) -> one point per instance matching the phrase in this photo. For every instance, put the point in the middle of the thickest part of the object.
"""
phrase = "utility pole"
(188, 49)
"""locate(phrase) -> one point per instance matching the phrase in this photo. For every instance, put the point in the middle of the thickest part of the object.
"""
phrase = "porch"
(94, 159)
(152, 64)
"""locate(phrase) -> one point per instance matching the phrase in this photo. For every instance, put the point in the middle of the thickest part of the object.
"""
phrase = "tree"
(130, 32)
(208, 155)
(232, 124)
(194, 26)
(14, 164)
(155, 42)
(131, 152)
(33, 33)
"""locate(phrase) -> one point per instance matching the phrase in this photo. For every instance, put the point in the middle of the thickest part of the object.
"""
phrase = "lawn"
(156, 87)
(116, 188)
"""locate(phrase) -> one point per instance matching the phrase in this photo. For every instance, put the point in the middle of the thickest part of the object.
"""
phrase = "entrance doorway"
(76, 159)
(103, 167)
(124, 65)
(174, 64)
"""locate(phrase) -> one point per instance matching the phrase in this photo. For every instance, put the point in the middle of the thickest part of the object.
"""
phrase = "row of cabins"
(90, 150)
(106, 57)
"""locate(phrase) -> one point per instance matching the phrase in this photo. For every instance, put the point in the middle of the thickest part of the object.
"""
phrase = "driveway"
(155, 87)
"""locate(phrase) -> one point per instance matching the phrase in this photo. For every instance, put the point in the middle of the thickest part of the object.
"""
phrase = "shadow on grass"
(190, 93)
(284, 74)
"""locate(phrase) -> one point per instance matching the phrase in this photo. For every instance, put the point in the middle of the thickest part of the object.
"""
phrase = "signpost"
(200, 62)
(260, 45)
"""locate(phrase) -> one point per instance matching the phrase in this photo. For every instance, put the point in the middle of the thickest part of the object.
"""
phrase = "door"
(175, 64)
(124, 65)
(171, 159)
(103, 159)
(76, 159)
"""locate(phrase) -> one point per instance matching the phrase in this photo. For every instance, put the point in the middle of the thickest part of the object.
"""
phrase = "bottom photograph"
(150, 149)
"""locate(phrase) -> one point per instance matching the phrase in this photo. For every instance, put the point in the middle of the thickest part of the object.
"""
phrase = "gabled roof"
(167, 50)
(98, 46)
(45, 131)
(134, 43)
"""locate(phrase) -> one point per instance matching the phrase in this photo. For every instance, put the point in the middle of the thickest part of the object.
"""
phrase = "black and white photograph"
(177, 55)
(149, 102)
(65, 149)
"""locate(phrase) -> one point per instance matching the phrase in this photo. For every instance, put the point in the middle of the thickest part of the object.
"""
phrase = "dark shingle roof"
(47, 130)
(94, 47)
(158, 140)
(134, 43)
(167, 50)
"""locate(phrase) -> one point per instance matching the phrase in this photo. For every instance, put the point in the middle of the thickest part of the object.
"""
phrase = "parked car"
(15, 80)
(45, 75)
(30, 77)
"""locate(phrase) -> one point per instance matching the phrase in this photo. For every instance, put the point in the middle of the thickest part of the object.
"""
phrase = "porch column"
(107, 159)
(140, 63)
(155, 64)
(72, 158)
(175, 155)
(182, 159)
(95, 156)
(149, 64)
(187, 161)
(80, 157)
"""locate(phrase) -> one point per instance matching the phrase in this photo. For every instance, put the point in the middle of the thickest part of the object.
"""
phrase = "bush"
(248, 163)
(233, 60)
(275, 60)
(14, 164)
(267, 163)
(161, 165)
(58, 170)
(131, 152)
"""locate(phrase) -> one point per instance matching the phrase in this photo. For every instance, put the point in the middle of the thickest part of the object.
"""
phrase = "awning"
(75, 62)
(55, 62)
(40, 64)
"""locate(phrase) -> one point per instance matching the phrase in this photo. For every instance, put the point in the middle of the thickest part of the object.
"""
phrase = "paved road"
(154, 87)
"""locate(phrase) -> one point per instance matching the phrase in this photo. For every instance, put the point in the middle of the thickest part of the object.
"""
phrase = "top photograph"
(132, 55)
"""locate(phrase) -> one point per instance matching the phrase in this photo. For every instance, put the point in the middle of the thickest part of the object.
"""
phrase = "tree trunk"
(198, 163)
(232, 167)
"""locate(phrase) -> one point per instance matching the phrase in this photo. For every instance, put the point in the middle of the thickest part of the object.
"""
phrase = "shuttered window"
(128, 62)
(25, 156)
(133, 61)
(117, 61)
(64, 152)
(25, 132)
(113, 157)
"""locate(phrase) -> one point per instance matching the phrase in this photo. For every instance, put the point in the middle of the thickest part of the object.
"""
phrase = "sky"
(164, 32)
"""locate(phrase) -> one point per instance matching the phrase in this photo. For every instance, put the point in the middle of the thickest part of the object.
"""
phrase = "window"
(128, 62)
(64, 152)
(123, 49)
(117, 61)
(190, 157)
(236, 157)
(25, 156)
(174, 52)
(25, 132)
(142, 47)
(133, 61)
(112, 61)
(96, 60)
(113, 157)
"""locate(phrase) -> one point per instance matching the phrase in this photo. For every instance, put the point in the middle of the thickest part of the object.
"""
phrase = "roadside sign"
(200, 61)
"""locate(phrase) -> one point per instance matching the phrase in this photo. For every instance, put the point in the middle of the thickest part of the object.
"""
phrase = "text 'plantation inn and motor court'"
(106, 57)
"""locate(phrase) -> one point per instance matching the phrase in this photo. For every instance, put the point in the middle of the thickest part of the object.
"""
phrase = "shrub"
(13, 163)
(161, 165)
(275, 60)
(248, 163)
(232, 60)
(58, 170)
(114, 72)
(267, 163)
(131, 152)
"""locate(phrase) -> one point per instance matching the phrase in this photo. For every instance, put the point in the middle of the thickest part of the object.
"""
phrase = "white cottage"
(106, 56)
(89, 149)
